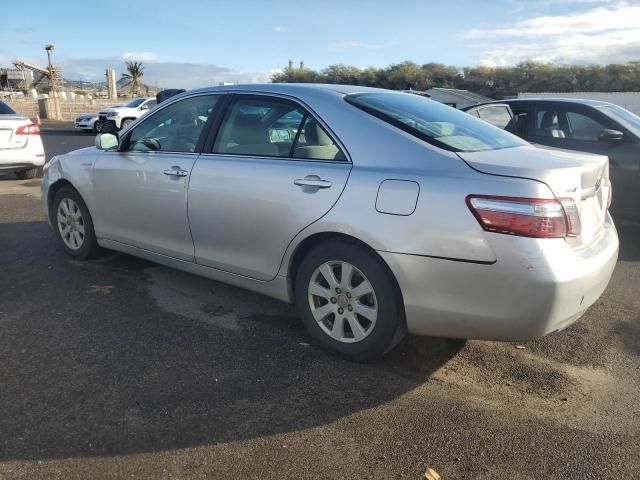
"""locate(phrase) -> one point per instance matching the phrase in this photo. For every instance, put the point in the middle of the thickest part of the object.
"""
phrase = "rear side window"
(435, 123)
(550, 124)
(6, 109)
(273, 127)
(496, 116)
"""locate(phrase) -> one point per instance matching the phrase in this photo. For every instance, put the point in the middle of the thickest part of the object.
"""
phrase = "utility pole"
(52, 75)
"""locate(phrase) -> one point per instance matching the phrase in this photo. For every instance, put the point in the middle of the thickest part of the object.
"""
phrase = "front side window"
(175, 128)
(433, 122)
(273, 127)
(583, 127)
(150, 103)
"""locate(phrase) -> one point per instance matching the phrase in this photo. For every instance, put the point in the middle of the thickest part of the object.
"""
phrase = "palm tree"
(135, 73)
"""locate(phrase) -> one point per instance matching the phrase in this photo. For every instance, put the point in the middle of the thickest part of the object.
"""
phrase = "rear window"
(435, 123)
(6, 109)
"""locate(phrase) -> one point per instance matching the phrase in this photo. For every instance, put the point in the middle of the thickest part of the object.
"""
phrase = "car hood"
(113, 109)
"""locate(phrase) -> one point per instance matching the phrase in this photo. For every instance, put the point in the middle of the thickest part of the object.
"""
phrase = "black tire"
(97, 127)
(89, 248)
(26, 174)
(390, 326)
(126, 122)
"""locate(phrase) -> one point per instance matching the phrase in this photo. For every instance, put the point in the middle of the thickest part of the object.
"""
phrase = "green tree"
(135, 72)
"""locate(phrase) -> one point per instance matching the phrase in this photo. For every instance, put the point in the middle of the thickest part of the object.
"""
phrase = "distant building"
(628, 100)
(456, 98)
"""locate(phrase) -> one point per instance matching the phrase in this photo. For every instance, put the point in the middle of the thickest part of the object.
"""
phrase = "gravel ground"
(119, 368)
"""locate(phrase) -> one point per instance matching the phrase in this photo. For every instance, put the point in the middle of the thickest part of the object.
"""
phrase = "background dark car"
(583, 125)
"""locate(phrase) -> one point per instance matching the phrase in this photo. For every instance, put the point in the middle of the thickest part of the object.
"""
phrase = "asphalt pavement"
(119, 368)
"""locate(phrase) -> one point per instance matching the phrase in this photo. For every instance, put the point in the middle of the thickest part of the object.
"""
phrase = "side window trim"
(224, 105)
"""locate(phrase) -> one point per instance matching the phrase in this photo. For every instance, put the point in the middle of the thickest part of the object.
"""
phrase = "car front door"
(272, 170)
(141, 190)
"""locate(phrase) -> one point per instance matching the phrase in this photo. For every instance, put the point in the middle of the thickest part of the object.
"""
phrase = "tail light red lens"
(527, 217)
(31, 129)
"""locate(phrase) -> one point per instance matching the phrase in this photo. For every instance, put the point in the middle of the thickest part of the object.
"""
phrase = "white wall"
(628, 100)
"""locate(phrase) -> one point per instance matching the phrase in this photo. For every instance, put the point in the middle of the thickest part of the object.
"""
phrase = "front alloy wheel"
(73, 225)
(70, 223)
(342, 301)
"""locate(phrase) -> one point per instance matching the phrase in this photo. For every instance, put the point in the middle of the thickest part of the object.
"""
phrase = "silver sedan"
(378, 213)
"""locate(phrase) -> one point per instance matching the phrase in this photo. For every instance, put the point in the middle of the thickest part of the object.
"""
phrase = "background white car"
(88, 122)
(21, 149)
(124, 115)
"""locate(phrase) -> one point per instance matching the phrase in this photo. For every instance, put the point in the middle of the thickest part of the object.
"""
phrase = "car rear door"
(272, 169)
(141, 191)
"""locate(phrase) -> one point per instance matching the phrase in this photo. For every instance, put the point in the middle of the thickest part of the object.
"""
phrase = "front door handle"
(312, 181)
(176, 171)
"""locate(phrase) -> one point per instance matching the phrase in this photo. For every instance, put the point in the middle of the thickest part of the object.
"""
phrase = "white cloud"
(349, 44)
(279, 29)
(599, 35)
(140, 56)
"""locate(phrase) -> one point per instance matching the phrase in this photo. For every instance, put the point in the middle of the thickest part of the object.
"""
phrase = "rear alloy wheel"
(26, 174)
(126, 122)
(345, 309)
(349, 302)
(73, 224)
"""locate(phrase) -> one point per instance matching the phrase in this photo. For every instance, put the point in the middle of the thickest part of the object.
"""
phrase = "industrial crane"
(51, 73)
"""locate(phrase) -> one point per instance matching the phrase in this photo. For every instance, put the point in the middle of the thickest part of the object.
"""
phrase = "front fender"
(74, 169)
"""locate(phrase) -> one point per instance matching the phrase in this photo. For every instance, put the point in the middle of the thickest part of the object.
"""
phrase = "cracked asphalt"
(119, 368)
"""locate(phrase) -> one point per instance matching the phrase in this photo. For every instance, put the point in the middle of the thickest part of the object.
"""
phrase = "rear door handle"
(176, 171)
(312, 182)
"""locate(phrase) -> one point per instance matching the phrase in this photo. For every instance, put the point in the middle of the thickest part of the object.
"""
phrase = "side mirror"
(107, 141)
(608, 135)
(144, 107)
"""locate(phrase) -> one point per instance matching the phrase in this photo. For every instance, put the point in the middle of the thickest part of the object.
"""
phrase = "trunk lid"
(581, 176)
(8, 125)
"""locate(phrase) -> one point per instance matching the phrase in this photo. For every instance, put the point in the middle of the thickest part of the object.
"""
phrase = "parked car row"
(378, 213)
(581, 125)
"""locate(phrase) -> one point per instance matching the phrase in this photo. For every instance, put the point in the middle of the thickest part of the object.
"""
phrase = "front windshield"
(435, 123)
(135, 103)
(629, 120)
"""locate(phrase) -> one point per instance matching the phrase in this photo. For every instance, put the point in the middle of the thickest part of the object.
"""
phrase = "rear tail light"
(609, 195)
(31, 129)
(527, 217)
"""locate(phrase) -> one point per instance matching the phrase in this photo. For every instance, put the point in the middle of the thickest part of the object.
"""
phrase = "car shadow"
(629, 234)
(120, 356)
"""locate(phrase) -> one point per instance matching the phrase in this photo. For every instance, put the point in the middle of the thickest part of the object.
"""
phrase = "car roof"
(580, 101)
(291, 88)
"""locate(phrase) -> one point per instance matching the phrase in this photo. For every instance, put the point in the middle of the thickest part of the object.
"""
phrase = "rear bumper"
(17, 158)
(535, 287)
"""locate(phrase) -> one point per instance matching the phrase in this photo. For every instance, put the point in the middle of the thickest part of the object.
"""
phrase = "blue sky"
(194, 42)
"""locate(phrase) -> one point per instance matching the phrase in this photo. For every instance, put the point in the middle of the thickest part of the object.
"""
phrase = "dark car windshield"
(6, 109)
(135, 103)
(435, 123)
(629, 120)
